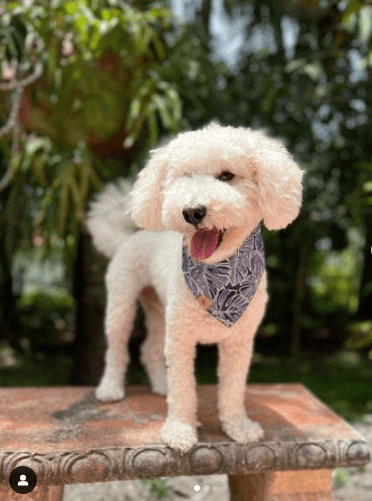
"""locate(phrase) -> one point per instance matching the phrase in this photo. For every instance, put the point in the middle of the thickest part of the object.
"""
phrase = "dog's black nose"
(194, 216)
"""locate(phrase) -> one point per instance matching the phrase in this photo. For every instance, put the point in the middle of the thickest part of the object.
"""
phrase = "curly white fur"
(146, 266)
(109, 221)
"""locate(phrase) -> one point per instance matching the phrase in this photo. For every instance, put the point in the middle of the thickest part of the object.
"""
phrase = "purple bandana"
(226, 288)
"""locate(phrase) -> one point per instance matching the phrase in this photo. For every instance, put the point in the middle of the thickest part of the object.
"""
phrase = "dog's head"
(215, 185)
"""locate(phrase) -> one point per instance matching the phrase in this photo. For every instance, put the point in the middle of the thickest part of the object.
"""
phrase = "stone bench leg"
(306, 485)
(40, 493)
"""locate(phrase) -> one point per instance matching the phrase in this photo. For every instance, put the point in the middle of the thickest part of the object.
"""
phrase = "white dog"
(197, 268)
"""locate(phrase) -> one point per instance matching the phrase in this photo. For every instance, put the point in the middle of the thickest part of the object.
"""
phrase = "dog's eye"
(225, 176)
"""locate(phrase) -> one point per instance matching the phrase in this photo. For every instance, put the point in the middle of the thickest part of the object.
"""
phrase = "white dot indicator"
(207, 488)
(197, 488)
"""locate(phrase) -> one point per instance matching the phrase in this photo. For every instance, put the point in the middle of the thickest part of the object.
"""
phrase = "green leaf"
(38, 169)
(94, 179)
(269, 99)
(57, 77)
(161, 104)
(313, 71)
(175, 104)
(294, 65)
(134, 111)
(12, 5)
(53, 58)
(135, 132)
(159, 47)
(81, 22)
(46, 202)
(95, 39)
(14, 42)
(365, 23)
(353, 7)
(106, 14)
(71, 7)
(62, 209)
(341, 478)
(153, 126)
(31, 147)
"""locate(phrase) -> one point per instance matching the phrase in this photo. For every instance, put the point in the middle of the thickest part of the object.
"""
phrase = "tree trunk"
(365, 296)
(300, 289)
(12, 329)
(89, 294)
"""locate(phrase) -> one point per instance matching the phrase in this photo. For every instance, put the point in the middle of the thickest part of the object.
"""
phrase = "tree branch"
(26, 81)
(12, 124)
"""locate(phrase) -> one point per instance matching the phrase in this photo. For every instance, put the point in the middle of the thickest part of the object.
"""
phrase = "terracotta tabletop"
(67, 436)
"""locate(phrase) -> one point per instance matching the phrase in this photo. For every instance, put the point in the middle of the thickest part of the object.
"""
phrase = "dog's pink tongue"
(204, 243)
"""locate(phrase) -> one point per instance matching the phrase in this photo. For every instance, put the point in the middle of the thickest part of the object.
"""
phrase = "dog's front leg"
(179, 430)
(235, 355)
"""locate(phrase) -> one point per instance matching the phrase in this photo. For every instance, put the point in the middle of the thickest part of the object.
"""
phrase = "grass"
(341, 384)
(37, 370)
(342, 381)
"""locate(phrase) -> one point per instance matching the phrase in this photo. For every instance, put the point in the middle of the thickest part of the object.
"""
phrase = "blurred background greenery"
(88, 87)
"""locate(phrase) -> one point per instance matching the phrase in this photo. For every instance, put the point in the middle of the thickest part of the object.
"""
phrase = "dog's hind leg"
(123, 288)
(152, 350)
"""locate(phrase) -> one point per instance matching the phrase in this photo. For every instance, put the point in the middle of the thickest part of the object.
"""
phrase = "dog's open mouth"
(205, 242)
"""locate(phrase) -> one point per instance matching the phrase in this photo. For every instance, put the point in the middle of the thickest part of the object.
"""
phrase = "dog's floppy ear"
(146, 196)
(279, 182)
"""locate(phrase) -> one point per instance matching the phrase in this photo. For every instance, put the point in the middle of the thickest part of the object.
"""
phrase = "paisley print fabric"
(227, 287)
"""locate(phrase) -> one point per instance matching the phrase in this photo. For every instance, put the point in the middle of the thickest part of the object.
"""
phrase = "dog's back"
(108, 220)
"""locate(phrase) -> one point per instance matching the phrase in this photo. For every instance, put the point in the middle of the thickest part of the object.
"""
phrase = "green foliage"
(361, 335)
(101, 64)
(316, 96)
(42, 369)
(42, 300)
(341, 478)
(341, 380)
(196, 75)
(159, 488)
(15, 36)
(46, 319)
(334, 278)
(111, 65)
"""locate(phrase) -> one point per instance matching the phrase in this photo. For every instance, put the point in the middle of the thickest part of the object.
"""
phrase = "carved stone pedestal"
(66, 436)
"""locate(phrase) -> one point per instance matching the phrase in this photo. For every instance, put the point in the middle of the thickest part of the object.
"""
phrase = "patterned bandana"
(226, 288)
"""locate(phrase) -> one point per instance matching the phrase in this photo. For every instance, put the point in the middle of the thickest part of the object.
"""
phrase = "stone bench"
(66, 436)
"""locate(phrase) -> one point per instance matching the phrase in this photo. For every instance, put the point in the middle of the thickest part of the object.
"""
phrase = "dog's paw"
(178, 435)
(108, 391)
(243, 430)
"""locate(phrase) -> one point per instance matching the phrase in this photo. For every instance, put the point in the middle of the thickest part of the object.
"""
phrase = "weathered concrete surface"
(67, 436)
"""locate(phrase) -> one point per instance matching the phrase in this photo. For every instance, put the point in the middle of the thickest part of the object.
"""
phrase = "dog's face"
(213, 201)
(214, 186)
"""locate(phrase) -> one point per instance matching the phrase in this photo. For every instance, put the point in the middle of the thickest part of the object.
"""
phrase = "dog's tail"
(108, 219)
